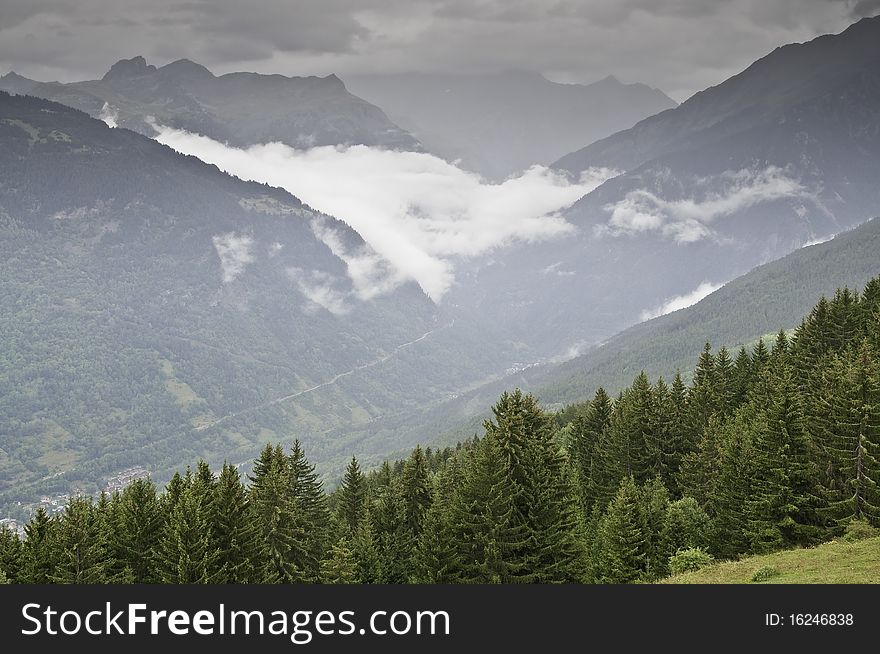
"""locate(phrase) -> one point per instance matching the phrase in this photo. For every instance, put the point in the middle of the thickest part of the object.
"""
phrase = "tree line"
(774, 447)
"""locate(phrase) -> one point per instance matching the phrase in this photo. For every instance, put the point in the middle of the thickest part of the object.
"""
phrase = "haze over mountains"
(783, 154)
(238, 108)
(500, 124)
(156, 309)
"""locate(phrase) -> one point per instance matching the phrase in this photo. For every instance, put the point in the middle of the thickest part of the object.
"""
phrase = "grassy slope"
(836, 562)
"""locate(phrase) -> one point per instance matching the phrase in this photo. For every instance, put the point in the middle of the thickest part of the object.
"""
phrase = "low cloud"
(318, 287)
(681, 301)
(109, 115)
(818, 240)
(689, 219)
(370, 274)
(235, 252)
(416, 211)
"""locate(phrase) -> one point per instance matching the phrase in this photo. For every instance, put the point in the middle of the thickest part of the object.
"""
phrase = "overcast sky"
(679, 46)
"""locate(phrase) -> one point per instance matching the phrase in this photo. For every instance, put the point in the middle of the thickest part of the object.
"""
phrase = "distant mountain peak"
(126, 68)
(186, 68)
(610, 80)
(333, 79)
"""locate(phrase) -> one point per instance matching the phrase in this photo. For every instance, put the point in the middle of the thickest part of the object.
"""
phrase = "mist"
(689, 219)
(417, 211)
(681, 301)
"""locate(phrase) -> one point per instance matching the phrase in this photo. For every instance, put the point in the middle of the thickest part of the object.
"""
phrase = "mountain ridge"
(500, 123)
(242, 109)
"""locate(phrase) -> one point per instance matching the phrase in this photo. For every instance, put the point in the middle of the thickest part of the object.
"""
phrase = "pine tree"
(847, 424)
(742, 378)
(391, 536)
(653, 505)
(586, 431)
(174, 491)
(416, 493)
(435, 559)
(352, 497)
(782, 509)
(274, 508)
(368, 564)
(137, 517)
(340, 566)
(725, 383)
(185, 552)
(686, 525)
(760, 358)
(490, 537)
(11, 554)
(235, 530)
(621, 544)
(84, 553)
(702, 398)
(699, 468)
(39, 550)
(731, 487)
(544, 493)
(311, 516)
(844, 316)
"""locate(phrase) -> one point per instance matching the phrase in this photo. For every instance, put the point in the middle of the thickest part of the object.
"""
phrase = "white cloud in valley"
(318, 287)
(681, 301)
(415, 210)
(235, 252)
(689, 219)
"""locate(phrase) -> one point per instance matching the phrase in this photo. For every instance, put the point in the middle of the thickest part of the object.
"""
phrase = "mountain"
(238, 108)
(781, 155)
(786, 89)
(771, 297)
(499, 124)
(154, 310)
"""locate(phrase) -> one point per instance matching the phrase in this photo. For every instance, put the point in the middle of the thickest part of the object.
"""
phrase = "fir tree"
(235, 530)
(185, 552)
(274, 508)
(847, 423)
(352, 501)
(782, 509)
(81, 540)
(731, 487)
(653, 505)
(340, 566)
(11, 554)
(38, 549)
(137, 518)
(311, 515)
(620, 556)
(368, 564)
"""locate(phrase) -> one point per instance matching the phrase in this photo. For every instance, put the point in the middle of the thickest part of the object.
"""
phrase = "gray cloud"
(679, 46)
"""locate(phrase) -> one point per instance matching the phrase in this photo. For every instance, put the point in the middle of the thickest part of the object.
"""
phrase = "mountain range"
(502, 123)
(783, 154)
(238, 108)
(157, 310)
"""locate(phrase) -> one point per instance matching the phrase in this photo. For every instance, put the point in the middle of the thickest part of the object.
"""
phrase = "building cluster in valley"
(121, 479)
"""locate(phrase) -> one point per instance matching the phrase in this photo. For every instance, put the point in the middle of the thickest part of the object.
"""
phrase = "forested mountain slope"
(766, 299)
(155, 310)
(769, 448)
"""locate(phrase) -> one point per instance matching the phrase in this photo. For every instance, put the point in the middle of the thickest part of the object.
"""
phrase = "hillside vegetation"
(765, 450)
(835, 562)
